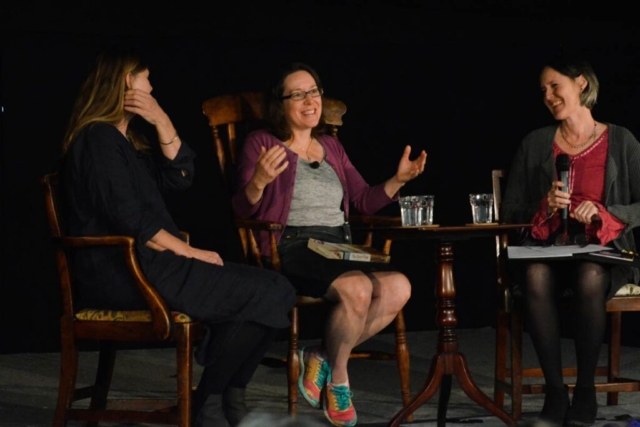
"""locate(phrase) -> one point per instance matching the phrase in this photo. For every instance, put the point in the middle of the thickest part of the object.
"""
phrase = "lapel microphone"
(314, 164)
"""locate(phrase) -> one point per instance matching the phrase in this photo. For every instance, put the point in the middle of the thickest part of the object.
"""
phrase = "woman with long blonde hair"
(114, 181)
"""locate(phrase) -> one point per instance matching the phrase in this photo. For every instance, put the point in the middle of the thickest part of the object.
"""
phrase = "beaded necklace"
(593, 135)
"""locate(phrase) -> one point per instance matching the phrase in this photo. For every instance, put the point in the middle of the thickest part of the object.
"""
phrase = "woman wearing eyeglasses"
(294, 174)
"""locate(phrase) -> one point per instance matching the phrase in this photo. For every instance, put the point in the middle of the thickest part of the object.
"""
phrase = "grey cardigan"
(533, 170)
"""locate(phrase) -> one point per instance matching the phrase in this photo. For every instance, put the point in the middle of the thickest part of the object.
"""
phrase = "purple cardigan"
(276, 199)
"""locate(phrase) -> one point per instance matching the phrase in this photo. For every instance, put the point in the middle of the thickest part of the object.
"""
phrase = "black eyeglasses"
(299, 96)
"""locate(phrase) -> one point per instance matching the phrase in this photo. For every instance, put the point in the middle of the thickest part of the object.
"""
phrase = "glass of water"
(481, 208)
(416, 210)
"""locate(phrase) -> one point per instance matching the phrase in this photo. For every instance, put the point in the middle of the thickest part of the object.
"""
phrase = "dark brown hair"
(274, 107)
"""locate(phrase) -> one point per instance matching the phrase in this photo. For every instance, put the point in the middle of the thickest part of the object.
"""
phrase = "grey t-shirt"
(317, 197)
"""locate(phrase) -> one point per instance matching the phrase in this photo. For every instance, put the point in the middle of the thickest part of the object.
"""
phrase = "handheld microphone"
(562, 169)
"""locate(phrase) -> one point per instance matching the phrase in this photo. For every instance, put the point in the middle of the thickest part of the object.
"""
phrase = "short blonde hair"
(574, 68)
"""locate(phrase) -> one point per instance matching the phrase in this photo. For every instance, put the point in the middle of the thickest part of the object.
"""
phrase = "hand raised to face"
(142, 103)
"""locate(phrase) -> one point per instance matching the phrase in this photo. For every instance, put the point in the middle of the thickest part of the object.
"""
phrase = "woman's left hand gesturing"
(409, 169)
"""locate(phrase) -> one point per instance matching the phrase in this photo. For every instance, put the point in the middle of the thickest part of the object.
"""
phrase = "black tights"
(590, 285)
(233, 354)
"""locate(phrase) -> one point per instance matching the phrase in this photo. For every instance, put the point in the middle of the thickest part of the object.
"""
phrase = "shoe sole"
(326, 413)
(575, 423)
(338, 424)
(301, 388)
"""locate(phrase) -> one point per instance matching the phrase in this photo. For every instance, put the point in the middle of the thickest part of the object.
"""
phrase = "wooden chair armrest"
(95, 241)
(368, 224)
(375, 220)
(160, 314)
(247, 229)
(258, 225)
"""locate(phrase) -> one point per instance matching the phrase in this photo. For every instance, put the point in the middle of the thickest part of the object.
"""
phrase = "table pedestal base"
(448, 360)
(443, 366)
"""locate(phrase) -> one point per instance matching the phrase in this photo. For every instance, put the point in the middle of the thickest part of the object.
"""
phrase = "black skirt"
(310, 273)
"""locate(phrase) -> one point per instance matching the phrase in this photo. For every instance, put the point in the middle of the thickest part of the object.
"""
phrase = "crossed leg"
(364, 305)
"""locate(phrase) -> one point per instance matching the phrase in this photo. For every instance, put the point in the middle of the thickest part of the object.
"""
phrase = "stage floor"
(28, 383)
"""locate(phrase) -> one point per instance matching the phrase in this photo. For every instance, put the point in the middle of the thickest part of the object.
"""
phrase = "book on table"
(346, 251)
(613, 257)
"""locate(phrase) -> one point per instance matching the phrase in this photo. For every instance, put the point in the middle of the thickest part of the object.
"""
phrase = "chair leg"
(500, 372)
(614, 354)
(106, 362)
(184, 359)
(402, 359)
(516, 364)
(68, 374)
(293, 367)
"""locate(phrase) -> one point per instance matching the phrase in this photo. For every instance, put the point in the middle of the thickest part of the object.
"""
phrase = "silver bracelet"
(170, 142)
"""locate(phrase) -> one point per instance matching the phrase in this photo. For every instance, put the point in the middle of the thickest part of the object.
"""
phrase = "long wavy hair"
(101, 97)
(274, 104)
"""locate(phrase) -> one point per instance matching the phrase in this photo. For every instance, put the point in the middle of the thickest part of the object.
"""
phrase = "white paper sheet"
(525, 252)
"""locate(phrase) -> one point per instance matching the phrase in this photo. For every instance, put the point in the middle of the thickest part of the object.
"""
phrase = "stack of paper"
(526, 252)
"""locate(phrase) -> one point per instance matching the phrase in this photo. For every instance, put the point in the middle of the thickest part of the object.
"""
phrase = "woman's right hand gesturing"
(270, 164)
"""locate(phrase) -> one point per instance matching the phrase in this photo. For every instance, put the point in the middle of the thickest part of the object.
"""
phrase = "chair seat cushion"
(628, 290)
(126, 316)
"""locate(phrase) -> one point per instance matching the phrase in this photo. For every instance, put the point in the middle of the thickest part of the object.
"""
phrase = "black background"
(458, 79)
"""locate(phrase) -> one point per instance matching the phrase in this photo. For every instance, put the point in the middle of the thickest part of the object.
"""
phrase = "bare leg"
(391, 291)
(365, 305)
(352, 294)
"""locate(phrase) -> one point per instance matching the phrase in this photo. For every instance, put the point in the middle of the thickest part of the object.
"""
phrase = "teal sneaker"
(313, 375)
(338, 406)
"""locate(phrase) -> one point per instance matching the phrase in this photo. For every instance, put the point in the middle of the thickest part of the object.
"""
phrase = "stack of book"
(346, 251)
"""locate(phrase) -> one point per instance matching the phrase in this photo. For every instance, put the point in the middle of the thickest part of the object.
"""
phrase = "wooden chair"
(231, 115)
(510, 374)
(156, 325)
